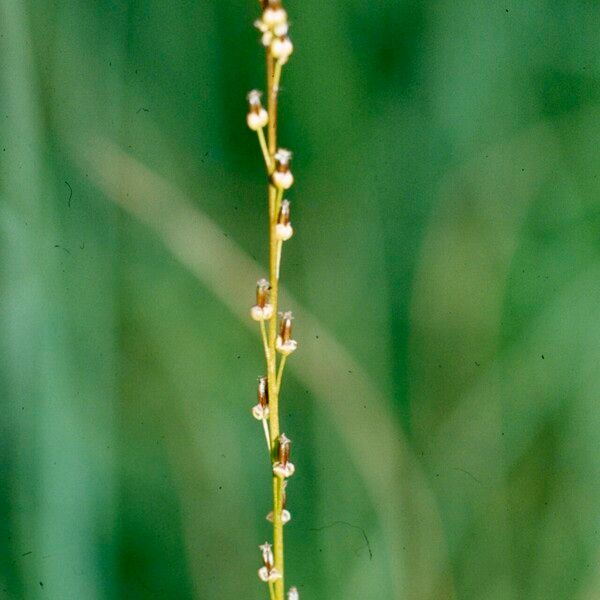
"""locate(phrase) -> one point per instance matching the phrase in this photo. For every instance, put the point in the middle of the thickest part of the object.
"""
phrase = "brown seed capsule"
(262, 292)
(283, 467)
(284, 449)
(284, 342)
(263, 391)
(261, 410)
(262, 310)
(285, 326)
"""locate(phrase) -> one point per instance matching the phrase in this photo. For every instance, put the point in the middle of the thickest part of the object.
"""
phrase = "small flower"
(262, 310)
(282, 48)
(261, 410)
(268, 572)
(284, 468)
(267, 34)
(257, 116)
(284, 343)
(282, 176)
(283, 229)
(293, 594)
(267, 554)
(286, 517)
(274, 14)
(269, 575)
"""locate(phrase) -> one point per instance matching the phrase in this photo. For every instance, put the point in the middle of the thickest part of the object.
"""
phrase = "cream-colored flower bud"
(257, 116)
(269, 575)
(283, 228)
(266, 38)
(273, 16)
(293, 594)
(280, 30)
(282, 48)
(282, 176)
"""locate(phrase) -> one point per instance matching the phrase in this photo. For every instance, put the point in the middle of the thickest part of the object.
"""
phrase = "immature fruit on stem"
(274, 14)
(283, 229)
(262, 310)
(282, 177)
(261, 410)
(282, 48)
(268, 572)
(257, 116)
(284, 343)
(283, 467)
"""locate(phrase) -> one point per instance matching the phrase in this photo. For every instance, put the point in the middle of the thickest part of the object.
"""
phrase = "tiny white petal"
(261, 314)
(282, 48)
(283, 232)
(257, 120)
(286, 516)
(260, 412)
(285, 348)
(274, 16)
(286, 470)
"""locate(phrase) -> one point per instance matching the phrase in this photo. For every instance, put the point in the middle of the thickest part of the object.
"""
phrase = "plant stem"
(267, 436)
(273, 76)
(280, 374)
(265, 340)
(263, 146)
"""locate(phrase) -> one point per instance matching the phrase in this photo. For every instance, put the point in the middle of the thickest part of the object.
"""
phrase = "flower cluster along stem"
(276, 343)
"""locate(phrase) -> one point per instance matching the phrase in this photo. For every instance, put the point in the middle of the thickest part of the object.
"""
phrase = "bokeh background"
(445, 277)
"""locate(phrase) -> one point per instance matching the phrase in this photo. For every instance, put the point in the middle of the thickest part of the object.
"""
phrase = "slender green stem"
(265, 150)
(279, 245)
(265, 340)
(267, 436)
(271, 591)
(277, 76)
(280, 374)
(273, 77)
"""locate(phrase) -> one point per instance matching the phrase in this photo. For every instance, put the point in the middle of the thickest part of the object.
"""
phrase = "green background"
(445, 275)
